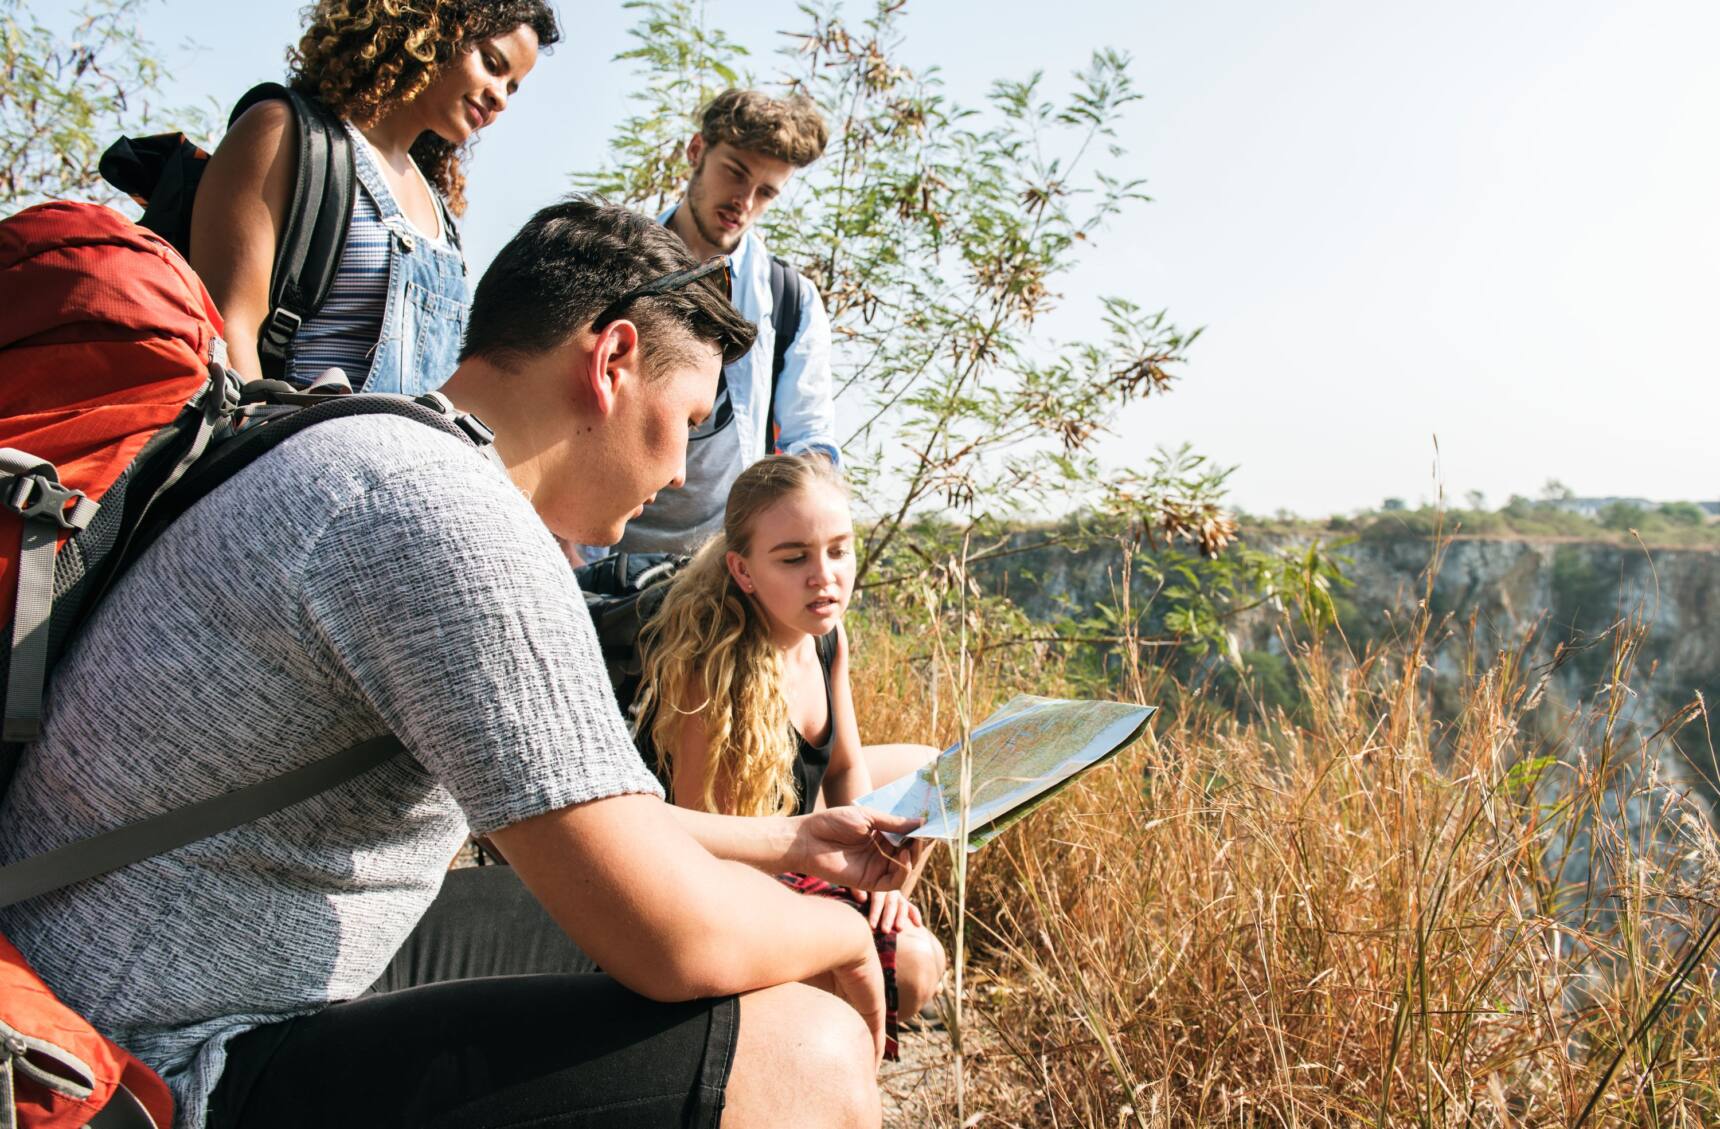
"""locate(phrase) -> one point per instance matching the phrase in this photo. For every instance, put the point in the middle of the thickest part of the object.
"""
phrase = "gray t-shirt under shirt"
(368, 576)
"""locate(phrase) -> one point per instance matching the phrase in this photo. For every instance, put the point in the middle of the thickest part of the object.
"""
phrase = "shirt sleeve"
(804, 408)
(447, 605)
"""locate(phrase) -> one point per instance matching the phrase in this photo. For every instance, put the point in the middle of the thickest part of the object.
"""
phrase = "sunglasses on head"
(663, 285)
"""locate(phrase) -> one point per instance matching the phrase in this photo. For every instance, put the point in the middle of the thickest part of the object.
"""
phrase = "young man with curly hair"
(748, 146)
(373, 576)
(412, 85)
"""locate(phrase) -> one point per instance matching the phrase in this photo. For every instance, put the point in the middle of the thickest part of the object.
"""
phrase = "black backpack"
(785, 321)
(622, 592)
(161, 172)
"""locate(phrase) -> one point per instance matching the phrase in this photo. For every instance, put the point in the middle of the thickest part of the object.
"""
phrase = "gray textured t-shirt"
(368, 576)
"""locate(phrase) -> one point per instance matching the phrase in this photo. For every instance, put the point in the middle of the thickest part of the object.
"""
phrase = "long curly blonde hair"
(363, 58)
(710, 644)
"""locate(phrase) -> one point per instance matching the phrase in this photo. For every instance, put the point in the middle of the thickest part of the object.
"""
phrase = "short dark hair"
(574, 258)
(790, 129)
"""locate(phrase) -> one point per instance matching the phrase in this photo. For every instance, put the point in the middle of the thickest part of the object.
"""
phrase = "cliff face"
(1572, 592)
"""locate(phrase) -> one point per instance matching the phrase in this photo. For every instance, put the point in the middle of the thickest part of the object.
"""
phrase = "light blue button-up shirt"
(680, 520)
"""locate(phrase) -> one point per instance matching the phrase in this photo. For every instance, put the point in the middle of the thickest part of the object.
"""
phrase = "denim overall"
(428, 299)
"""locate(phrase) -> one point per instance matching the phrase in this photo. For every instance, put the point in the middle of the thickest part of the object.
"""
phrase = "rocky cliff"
(1573, 592)
(1569, 592)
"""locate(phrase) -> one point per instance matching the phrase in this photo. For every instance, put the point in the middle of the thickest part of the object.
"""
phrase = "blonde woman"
(745, 701)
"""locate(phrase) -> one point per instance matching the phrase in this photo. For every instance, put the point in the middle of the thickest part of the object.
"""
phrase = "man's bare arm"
(843, 845)
(669, 920)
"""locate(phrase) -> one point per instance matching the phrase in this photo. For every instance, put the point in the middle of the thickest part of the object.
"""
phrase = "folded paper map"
(1022, 755)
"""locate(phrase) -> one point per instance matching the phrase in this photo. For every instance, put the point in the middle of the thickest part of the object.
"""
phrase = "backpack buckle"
(280, 329)
(476, 429)
(36, 497)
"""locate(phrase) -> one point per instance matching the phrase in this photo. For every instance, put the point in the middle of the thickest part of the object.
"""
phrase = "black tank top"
(811, 761)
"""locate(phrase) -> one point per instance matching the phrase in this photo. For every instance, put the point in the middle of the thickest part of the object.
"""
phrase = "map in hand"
(1022, 755)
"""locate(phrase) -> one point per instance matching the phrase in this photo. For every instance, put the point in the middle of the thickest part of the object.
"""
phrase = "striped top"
(345, 332)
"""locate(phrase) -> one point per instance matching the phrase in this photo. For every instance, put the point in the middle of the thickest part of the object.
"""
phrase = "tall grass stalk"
(964, 712)
(953, 580)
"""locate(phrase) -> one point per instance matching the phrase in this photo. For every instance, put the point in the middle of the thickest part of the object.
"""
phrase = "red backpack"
(117, 413)
(110, 345)
(109, 342)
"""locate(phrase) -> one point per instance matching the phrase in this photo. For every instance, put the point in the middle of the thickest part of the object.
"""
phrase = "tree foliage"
(69, 87)
(1679, 524)
(1684, 513)
(940, 235)
(684, 63)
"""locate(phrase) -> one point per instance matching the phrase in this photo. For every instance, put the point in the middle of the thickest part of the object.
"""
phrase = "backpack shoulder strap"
(785, 322)
(99, 854)
(32, 490)
(318, 218)
(191, 481)
(233, 453)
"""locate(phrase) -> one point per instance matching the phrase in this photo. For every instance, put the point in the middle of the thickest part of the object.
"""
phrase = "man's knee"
(844, 1048)
(803, 1057)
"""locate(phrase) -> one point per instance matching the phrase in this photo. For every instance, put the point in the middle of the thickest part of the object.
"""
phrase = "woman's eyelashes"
(835, 553)
(498, 66)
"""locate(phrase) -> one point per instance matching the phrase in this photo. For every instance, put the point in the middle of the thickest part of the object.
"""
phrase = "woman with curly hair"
(745, 702)
(413, 82)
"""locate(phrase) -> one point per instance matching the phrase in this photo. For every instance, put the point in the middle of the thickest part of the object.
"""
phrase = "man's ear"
(696, 149)
(614, 360)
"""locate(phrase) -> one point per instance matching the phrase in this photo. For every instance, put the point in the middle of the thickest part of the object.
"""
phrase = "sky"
(1467, 246)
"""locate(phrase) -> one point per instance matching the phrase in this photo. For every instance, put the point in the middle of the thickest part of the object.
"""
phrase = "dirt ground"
(919, 1090)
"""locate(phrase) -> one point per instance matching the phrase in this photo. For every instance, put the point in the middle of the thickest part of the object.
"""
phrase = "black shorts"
(546, 1049)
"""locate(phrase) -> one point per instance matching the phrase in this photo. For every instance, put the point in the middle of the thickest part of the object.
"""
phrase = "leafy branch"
(65, 95)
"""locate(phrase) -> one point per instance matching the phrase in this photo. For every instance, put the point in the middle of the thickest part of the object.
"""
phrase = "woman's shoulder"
(248, 183)
(268, 123)
(828, 645)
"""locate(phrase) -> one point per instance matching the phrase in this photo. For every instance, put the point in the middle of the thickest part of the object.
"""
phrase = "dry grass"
(1365, 916)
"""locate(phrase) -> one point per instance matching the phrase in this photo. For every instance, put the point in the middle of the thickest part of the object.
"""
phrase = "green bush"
(1684, 513)
(1621, 517)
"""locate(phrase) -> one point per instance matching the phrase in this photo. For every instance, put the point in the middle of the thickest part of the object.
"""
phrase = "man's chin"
(598, 539)
(716, 235)
(617, 530)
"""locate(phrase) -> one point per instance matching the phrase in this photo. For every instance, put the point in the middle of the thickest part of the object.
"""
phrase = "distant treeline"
(1665, 525)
